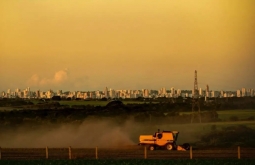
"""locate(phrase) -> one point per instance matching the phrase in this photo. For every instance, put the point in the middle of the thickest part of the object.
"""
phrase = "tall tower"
(195, 90)
(195, 101)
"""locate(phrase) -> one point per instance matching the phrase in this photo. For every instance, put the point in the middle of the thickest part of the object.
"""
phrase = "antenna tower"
(195, 101)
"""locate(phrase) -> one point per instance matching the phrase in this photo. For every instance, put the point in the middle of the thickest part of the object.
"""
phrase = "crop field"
(132, 162)
(241, 114)
(225, 115)
(134, 152)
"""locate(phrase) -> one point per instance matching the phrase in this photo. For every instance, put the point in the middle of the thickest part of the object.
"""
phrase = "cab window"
(159, 136)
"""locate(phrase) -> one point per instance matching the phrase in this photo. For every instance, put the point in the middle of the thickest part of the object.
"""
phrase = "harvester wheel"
(169, 146)
(151, 148)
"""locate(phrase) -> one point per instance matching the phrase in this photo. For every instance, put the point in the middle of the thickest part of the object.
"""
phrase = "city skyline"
(88, 45)
(125, 93)
(206, 89)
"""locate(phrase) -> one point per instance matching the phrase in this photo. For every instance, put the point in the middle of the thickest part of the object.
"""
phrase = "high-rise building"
(145, 93)
(172, 92)
(221, 93)
(49, 94)
(179, 92)
(207, 91)
(37, 94)
(112, 93)
(226, 94)
(59, 92)
(207, 88)
(17, 90)
(164, 91)
(213, 94)
(3, 94)
(244, 92)
(248, 92)
(238, 93)
(106, 92)
(200, 92)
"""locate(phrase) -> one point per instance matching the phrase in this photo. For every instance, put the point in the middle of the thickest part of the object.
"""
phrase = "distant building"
(207, 93)
(172, 92)
(200, 92)
(244, 92)
(37, 94)
(179, 92)
(238, 93)
(106, 92)
(125, 93)
(213, 94)
(112, 93)
(145, 93)
(164, 91)
(59, 92)
(221, 93)
(248, 92)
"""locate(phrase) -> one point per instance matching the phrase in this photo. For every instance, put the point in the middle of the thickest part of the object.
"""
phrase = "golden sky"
(128, 44)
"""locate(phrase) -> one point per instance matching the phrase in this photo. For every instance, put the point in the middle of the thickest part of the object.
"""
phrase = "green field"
(225, 115)
(241, 114)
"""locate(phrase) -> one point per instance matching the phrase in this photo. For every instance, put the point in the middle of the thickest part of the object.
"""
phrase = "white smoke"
(59, 77)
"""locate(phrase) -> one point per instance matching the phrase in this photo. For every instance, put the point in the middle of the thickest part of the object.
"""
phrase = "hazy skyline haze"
(128, 44)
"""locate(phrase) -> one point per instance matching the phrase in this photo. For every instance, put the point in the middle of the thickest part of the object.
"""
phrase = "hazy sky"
(126, 44)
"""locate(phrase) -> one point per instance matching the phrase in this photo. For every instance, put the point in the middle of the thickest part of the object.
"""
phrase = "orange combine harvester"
(163, 140)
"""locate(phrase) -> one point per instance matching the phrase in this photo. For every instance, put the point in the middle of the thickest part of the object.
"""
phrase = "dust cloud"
(87, 134)
(90, 133)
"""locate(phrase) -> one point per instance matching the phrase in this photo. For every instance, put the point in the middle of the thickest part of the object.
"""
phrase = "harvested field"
(135, 152)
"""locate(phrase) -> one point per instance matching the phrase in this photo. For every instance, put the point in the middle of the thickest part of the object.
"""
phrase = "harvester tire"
(151, 148)
(169, 147)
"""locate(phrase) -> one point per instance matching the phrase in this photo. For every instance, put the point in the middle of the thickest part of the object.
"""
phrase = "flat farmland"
(240, 114)
(224, 115)
(135, 152)
(131, 162)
